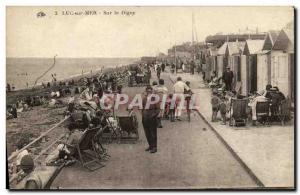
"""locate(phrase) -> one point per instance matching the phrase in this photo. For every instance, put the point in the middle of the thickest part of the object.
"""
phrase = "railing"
(14, 155)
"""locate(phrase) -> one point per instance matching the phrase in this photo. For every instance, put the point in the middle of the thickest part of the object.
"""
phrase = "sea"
(23, 72)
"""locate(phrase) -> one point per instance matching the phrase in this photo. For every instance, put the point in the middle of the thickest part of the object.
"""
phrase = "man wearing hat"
(227, 78)
(150, 113)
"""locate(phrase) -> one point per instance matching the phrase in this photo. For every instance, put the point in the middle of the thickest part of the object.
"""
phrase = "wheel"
(231, 121)
(135, 123)
(189, 115)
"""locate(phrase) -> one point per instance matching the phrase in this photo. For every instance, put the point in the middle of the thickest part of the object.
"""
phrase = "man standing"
(161, 90)
(163, 66)
(179, 88)
(150, 113)
(192, 67)
(158, 71)
(227, 78)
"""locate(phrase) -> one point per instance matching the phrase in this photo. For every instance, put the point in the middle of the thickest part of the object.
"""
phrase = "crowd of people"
(222, 93)
(63, 93)
(163, 109)
(90, 90)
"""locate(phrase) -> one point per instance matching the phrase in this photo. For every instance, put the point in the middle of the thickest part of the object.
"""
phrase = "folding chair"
(86, 152)
(263, 112)
(238, 112)
(284, 111)
(109, 130)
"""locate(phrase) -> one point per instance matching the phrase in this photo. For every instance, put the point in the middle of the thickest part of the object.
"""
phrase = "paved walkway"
(187, 158)
(267, 151)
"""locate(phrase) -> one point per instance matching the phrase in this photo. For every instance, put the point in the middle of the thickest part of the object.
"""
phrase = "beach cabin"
(264, 60)
(282, 62)
(233, 55)
(222, 61)
(253, 74)
(212, 53)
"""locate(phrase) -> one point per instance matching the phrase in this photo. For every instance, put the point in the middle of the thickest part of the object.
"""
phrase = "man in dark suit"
(227, 78)
(150, 113)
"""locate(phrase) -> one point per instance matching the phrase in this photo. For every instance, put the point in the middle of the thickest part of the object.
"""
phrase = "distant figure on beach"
(27, 84)
(53, 77)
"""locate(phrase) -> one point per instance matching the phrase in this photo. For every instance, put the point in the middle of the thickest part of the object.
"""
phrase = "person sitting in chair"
(276, 97)
(259, 97)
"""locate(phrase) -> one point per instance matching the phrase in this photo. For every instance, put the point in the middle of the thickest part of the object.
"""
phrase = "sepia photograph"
(150, 98)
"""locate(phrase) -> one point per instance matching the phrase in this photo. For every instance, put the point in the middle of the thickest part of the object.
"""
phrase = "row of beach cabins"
(256, 61)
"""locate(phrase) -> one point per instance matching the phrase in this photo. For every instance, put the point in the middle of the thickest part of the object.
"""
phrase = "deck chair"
(238, 112)
(110, 132)
(263, 112)
(86, 152)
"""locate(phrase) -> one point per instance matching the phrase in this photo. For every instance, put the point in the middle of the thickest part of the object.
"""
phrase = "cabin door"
(244, 71)
(262, 71)
(220, 65)
(280, 72)
(253, 73)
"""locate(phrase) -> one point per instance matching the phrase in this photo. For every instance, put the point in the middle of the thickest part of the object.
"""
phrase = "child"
(215, 103)
(223, 110)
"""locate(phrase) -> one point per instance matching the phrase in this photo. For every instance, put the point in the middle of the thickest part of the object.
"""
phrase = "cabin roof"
(284, 40)
(270, 39)
(222, 49)
(273, 34)
(235, 47)
(213, 51)
(254, 46)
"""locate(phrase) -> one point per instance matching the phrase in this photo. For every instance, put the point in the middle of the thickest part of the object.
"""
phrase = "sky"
(145, 33)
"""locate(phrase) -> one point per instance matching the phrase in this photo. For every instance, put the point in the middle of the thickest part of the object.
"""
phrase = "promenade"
(188, 158)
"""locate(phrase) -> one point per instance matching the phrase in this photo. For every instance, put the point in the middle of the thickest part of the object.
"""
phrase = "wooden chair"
(263, 112)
